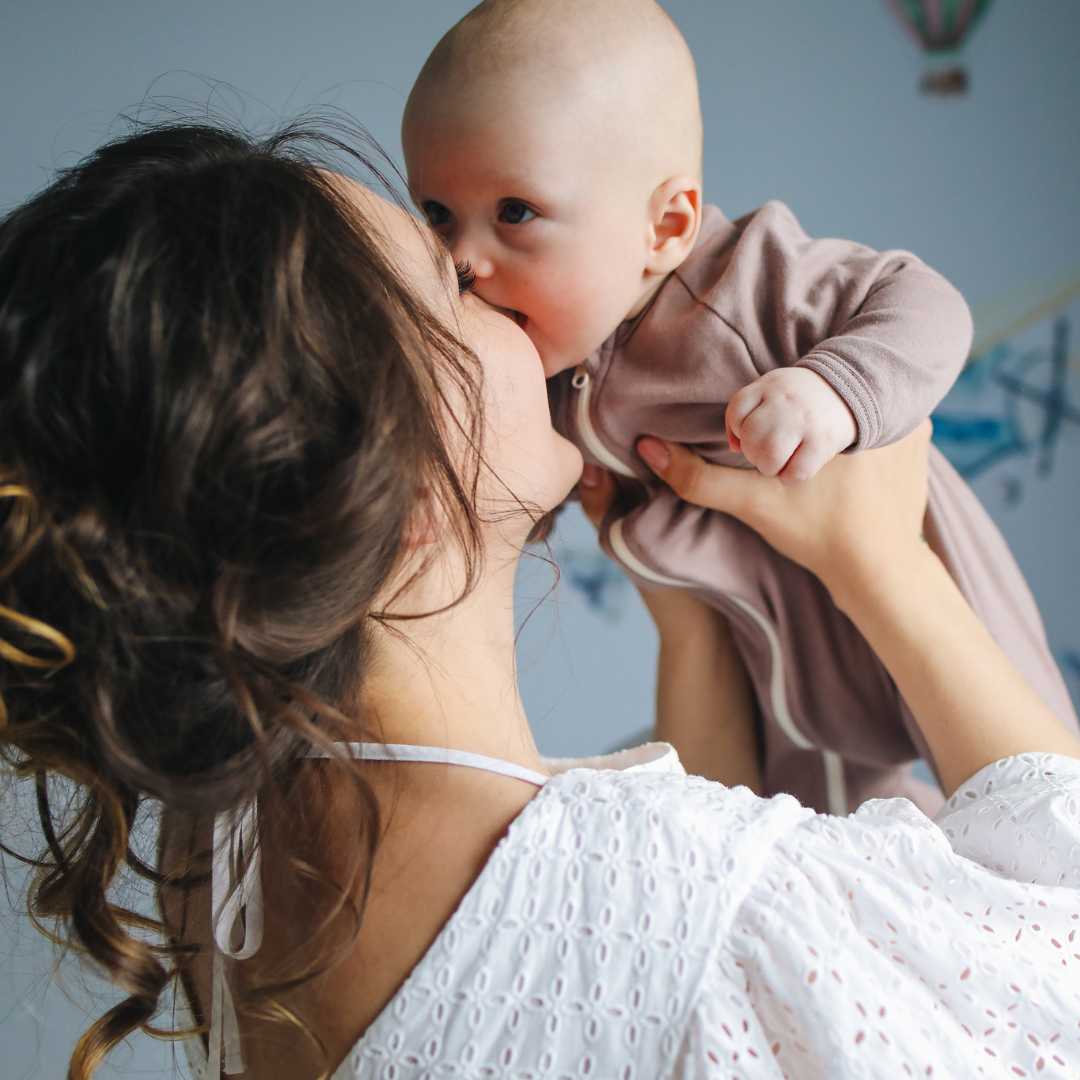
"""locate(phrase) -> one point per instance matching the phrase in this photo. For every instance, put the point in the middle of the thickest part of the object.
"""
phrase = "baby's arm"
(704, 702)
(856, 346)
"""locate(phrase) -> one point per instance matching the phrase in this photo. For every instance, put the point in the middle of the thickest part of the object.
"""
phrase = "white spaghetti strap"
(236, 889)
(438, 755)
(236, 902)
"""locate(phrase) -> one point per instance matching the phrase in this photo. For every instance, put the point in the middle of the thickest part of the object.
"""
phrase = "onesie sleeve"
(887, 944)
(889, 334)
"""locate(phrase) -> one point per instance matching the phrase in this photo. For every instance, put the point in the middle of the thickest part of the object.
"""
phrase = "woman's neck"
(452, 680)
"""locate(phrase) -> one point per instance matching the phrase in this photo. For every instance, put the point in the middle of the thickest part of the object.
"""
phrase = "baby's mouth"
(520, 318)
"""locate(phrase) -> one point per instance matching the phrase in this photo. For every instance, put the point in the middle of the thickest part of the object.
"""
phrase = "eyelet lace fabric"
(643, 925)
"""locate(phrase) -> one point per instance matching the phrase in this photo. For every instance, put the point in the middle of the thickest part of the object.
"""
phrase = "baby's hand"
(789, 423)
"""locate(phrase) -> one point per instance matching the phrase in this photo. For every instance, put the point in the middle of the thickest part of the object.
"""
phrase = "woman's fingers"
(922, 436)
(856, 507)
(695, 480)
(596, 491)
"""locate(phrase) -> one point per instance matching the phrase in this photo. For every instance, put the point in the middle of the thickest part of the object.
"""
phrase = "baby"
(555, 146)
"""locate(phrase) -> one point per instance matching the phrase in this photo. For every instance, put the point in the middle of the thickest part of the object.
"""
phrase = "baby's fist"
(789, 423)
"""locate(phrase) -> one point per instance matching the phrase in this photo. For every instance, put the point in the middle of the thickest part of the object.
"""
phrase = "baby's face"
(551, 225)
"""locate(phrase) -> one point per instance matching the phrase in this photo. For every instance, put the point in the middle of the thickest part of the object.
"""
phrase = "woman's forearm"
(972, 705)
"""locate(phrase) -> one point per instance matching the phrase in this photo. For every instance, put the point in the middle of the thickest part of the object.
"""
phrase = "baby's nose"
(478, 259)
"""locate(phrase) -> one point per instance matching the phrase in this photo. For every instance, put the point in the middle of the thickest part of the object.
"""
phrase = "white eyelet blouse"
(639, 924)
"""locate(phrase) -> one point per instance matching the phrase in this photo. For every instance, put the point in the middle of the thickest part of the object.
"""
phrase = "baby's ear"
(674, 220)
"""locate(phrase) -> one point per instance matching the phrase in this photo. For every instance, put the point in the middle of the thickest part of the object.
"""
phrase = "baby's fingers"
(769, 440)
(807, 461)
(738, 409)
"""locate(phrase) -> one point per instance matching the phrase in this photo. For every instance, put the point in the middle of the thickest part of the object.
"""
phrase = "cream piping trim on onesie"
(237, 904)
(836, 790)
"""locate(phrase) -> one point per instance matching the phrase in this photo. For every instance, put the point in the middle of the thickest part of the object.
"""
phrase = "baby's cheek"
(599, 305)
(565, 296)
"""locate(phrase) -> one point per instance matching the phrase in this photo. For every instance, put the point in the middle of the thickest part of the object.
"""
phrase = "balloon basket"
(948, 81)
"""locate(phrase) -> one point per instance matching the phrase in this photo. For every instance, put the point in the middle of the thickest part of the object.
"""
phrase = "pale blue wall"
(810, 102)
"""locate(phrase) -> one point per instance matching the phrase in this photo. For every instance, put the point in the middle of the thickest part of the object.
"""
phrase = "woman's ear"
(421, 531)
(674, 220)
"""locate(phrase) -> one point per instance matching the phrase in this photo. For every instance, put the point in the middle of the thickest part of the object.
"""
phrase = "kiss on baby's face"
(553, 222)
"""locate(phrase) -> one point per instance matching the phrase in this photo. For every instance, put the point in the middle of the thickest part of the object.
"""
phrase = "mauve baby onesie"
(890, 336)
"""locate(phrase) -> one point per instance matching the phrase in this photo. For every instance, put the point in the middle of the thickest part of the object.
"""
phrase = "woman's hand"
(860, 510)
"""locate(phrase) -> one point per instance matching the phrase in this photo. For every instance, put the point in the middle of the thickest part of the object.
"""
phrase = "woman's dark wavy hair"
(218, 406)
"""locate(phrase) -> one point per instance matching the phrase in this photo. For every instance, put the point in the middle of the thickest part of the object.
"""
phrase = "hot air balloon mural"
(940, 28)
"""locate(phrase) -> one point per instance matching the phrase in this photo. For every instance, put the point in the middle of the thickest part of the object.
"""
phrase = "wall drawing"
(1018, 400)
(590, 573)
(1012, 402)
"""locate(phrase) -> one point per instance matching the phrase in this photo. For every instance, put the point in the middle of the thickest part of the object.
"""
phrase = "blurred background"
(895, 124)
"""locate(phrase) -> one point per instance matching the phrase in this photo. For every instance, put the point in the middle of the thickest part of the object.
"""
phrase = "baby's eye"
(515, 212)
(436, 214)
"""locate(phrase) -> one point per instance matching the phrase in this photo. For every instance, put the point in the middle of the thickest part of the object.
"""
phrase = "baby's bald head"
(617, 71)
(555, 147)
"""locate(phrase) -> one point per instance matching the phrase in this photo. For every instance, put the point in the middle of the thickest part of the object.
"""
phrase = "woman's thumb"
(595, 491)
(691, 477)
(655, 454)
